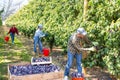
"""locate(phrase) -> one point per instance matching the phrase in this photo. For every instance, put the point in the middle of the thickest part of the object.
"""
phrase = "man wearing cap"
(75, 49)
(37, 39)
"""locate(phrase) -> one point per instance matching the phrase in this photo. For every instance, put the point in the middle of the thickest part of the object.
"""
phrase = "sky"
(11, 6)
(18, 3)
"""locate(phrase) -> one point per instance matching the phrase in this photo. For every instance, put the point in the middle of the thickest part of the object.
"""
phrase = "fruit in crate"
(42, 59)
(76, 75)
(33, 69)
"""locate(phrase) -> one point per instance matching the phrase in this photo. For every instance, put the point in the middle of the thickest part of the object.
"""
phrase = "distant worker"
(12, 32)
(37, 40)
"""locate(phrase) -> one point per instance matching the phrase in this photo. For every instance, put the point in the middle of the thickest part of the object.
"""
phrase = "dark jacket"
(13, 30)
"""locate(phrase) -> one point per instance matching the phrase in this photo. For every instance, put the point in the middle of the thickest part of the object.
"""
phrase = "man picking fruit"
(75, 48)
(37, 40)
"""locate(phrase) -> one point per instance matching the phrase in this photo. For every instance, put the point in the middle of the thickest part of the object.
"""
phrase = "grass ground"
(11, 53)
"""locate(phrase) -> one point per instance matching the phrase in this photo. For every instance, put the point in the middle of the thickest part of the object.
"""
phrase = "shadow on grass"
(4, 69)
(20, 51)
(11, 58)
(11, 53)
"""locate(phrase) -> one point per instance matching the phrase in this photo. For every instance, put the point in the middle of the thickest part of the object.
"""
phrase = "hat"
(81, 31)
(40, 26)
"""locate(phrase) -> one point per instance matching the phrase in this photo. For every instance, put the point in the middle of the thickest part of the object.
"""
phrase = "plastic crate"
(81, 78)
(44, 76)
(44, 62)
(77, 76)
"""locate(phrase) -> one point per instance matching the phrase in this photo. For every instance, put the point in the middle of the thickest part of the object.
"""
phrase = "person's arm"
(9, 31)
(87, 40)
(77, 45)
(16, 30)
(41, 34)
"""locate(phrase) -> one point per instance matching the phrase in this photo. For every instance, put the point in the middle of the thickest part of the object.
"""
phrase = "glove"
(46, 34)
(92, 49)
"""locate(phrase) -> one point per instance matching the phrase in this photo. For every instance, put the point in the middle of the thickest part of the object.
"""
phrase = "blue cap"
(40, 26)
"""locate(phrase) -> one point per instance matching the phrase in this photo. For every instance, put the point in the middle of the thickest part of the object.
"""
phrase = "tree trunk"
(85, 9)
(3, 23)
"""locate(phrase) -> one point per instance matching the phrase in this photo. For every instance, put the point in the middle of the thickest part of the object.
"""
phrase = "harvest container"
(46, 51)
(77, 76)
(43, 62)
(6, 38)
(43, 76)
(81, 78)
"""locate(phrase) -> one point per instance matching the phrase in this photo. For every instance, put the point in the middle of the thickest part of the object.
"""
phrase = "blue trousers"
(70, 60)
(37, 41)
(12, 37)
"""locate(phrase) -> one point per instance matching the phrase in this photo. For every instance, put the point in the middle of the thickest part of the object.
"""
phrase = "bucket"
(46, 52)
(77, 76)
(80, 78)
(6, 38)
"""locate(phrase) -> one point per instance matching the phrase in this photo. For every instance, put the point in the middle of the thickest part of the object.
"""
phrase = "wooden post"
(85, 9)
(84, 55)
(84, 19)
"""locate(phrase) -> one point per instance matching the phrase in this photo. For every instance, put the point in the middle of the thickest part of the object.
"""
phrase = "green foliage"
(0, 17)
(0, 21)
(62, 17)
(1, 42)
(11, 54)
(103, 25)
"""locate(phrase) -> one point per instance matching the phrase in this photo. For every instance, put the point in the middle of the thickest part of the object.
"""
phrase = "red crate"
(81, 78)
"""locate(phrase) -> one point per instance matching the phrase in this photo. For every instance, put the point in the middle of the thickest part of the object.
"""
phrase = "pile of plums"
(42, 59)
(76, 75)
(33, 69)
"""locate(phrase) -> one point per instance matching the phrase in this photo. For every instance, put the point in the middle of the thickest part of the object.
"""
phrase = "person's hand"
(46, 34)
(92, 49)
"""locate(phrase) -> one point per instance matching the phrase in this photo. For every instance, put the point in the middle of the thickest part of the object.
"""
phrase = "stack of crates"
(57, 75)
